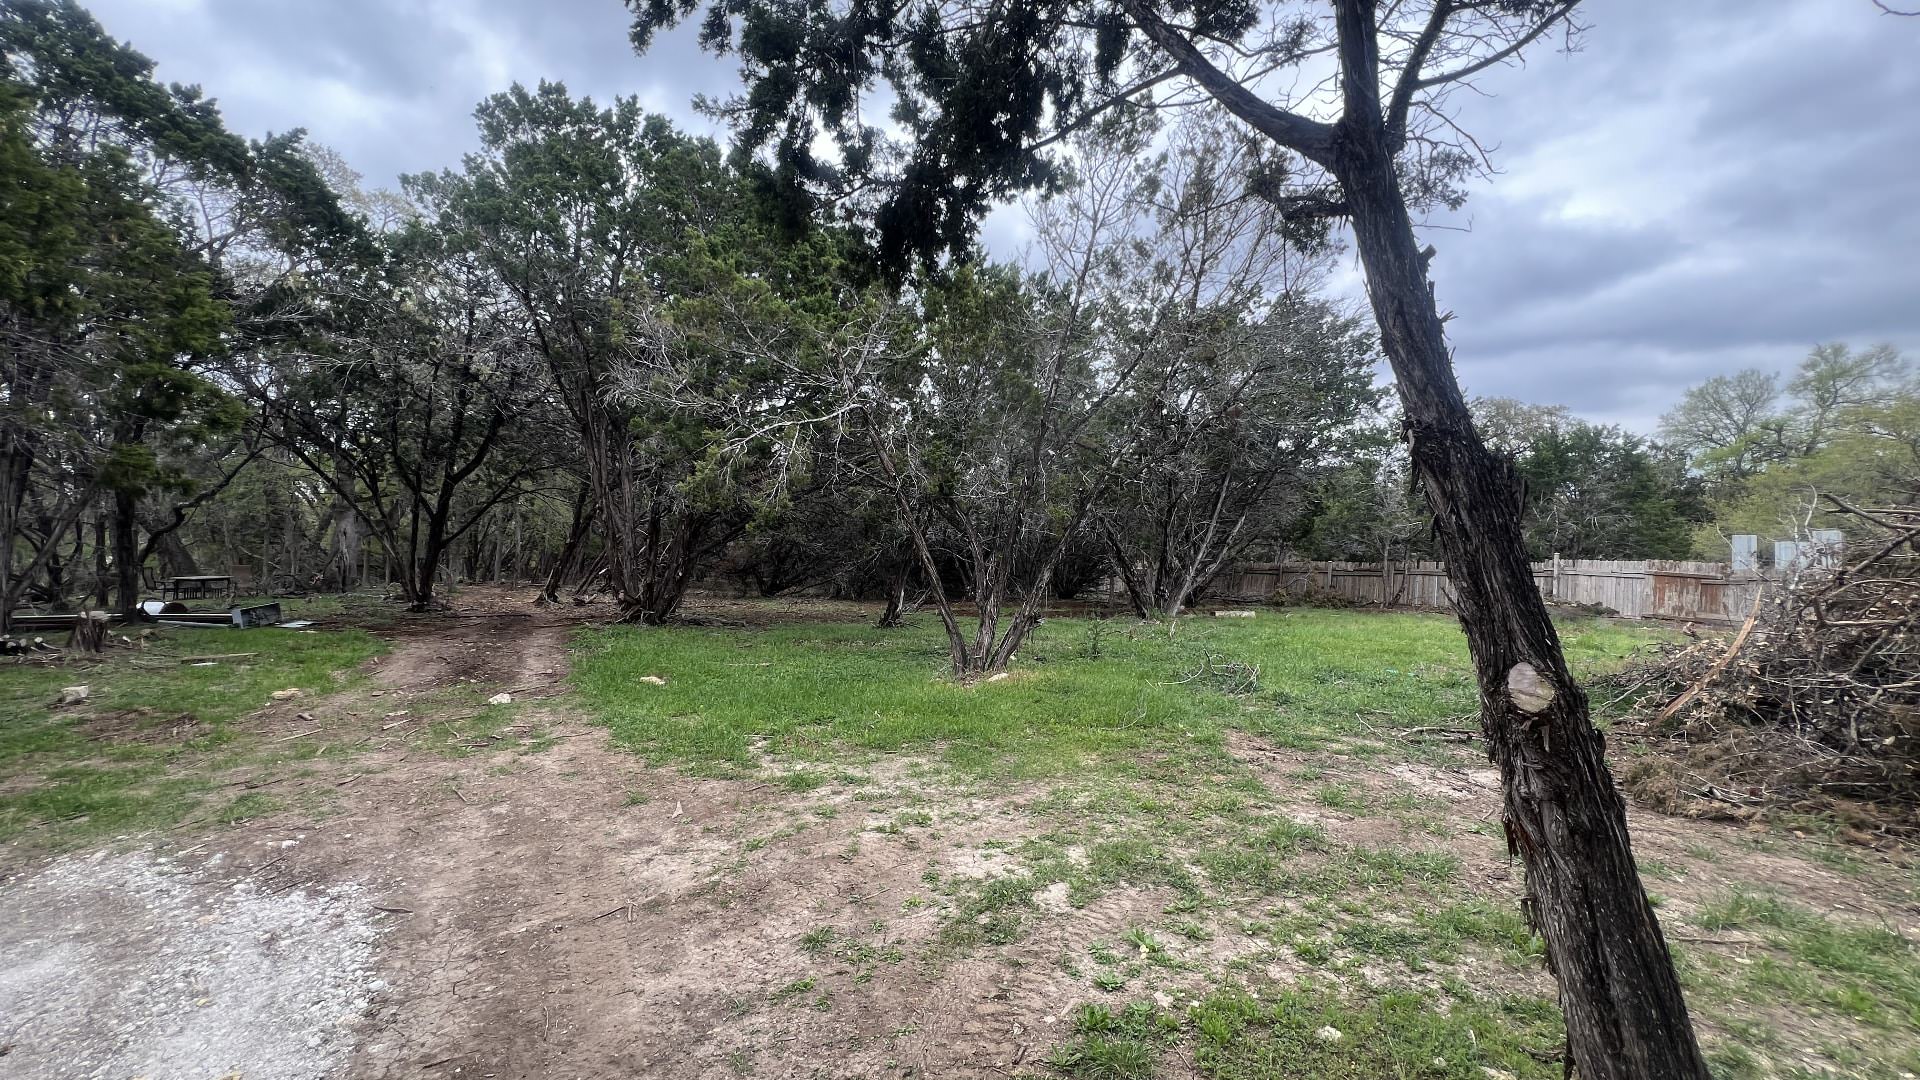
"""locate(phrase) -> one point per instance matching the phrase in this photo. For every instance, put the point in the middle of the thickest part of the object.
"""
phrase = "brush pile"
(1814, 705)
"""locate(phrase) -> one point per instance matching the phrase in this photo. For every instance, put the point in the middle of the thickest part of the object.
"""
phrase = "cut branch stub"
(1528, 690)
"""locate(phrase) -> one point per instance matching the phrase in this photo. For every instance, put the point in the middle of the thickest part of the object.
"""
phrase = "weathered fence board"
(1636, 588)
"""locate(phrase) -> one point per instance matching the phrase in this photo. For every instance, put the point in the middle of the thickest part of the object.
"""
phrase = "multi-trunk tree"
(414, 402)
(1232, 446)
(1355, 94)
(596, 223)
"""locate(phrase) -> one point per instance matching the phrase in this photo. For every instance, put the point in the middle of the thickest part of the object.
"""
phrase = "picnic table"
(196, 586)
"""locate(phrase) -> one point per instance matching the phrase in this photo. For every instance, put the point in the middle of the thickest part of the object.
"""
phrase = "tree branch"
(1409, 80)
(1310, 138)
(1557, 16)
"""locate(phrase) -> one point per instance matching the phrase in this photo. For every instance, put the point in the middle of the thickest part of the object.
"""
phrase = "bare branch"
(1310, 138)
(1409, 80)
(1501, 56)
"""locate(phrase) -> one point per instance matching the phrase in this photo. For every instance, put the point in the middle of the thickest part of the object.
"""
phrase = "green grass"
(1870, 974)
(1316, 1032)
(1119, 759)
(816, 692)
(139, 752)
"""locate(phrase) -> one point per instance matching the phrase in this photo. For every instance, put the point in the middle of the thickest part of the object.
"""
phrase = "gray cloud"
(1704, 186)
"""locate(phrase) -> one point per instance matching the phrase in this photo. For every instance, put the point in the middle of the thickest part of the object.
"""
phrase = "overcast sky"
(1705, 186)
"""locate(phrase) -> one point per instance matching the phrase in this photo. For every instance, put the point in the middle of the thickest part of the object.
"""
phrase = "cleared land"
(810, 854)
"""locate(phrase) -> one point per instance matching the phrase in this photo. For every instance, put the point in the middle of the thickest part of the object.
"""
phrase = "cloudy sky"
(1705, 186)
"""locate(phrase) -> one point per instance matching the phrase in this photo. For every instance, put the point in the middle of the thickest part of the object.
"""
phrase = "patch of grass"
(1114, 1045)
(1262, 859)
(1418, 936)
(139, 753)
(251, 805)
(1867, 973)
(989, 912)
(1376, 868)
(1341, 797)
(1192, 931)
(804, 780)
(820, 691)
(1317, 1032)
(1656, 870)
(795, 989)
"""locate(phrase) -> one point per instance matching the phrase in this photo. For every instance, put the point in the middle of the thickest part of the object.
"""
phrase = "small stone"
(1055, 897)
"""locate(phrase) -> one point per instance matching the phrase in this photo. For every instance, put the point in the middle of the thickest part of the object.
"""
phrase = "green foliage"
(1846, 424)
(1597, 492)
(666, 311)
(975, 99)
(135, 258)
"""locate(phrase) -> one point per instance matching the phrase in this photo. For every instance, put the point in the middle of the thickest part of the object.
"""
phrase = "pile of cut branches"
(1814, 705)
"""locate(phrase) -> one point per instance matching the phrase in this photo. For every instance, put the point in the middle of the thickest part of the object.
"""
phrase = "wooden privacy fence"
(1636, 588)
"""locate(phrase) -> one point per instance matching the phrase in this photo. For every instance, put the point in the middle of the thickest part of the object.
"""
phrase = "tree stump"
(89, 632)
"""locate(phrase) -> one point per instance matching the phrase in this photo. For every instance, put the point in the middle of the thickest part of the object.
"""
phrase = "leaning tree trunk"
(1626, 1018)
(582, 520)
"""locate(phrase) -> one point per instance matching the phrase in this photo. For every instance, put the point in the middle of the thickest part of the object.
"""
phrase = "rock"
(653, 680)
(72, 695)
(1238, 614)
(288, 694)
(1054, 897)
(500, 699)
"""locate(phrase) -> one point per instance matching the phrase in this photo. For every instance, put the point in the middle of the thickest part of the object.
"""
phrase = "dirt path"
(571, 912)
